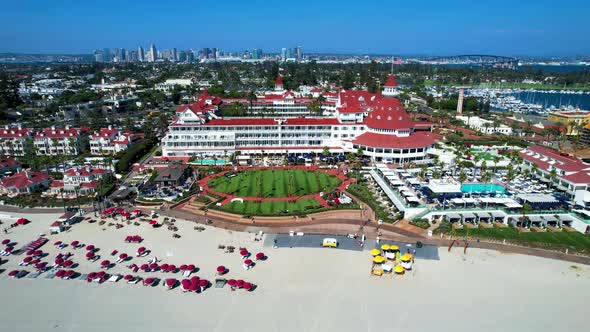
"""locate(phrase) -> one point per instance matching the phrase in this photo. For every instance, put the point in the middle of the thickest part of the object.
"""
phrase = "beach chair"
(186, 273)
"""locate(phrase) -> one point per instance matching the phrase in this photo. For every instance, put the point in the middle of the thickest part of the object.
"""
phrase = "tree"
(9, 96)
(326, 151)
(462, 177)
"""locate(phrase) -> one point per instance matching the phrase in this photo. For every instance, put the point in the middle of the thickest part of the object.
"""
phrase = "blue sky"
(516, 27)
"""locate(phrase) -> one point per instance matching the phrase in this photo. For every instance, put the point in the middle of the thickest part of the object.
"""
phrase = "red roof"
(105, 133)
(84, 171)
(391, 82)
(272, 122)
(415, 140)
(562, 161)
(389, 114)
(8, 163)
(578, 178)
(58, 132)
(14, 132)
(24, 179)
(57, 184)
(279, 80)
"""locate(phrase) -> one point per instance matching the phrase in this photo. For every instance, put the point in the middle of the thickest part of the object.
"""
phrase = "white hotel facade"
(376, 123)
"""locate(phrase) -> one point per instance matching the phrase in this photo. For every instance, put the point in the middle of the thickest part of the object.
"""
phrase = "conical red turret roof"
(390, 81)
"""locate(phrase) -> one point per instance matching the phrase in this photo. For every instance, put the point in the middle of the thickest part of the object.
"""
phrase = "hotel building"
(375, 123)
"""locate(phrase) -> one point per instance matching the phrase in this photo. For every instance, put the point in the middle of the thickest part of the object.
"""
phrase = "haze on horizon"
(503, 27)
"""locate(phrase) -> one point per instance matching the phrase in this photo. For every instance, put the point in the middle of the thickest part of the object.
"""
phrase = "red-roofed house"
(12, 140)
(59, 141)
(82, 180)
(23, 182)
(110, 141)
(571, 173)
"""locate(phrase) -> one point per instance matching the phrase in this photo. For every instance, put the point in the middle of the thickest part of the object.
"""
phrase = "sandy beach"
(299, 289)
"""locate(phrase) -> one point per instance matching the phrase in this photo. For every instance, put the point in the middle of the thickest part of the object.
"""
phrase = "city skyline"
(431, 28)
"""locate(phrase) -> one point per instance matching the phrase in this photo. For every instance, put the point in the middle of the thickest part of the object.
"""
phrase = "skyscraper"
(205, 53)
(298, 53)
(153, 54)
(174, 54)
(98, 56)
(140, 54)
(284, 54)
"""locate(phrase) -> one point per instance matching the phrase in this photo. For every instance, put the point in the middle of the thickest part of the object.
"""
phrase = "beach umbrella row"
(233, 283)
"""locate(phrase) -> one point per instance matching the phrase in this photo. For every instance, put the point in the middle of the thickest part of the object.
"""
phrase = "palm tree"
(496, 160)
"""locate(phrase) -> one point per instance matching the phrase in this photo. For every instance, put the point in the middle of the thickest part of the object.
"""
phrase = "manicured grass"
(551, 240)
(273, 208)
(275, 183)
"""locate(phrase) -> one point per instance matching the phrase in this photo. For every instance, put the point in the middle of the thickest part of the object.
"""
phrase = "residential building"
(174, 174)
(23, 182)
(484, 126)
(82, 181)
(110, 141)
(585, 135)
(572, 120)
(13, 140)
(58, 141)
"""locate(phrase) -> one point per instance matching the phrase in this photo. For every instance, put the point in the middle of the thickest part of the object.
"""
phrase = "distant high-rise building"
(174, 54)
(205, 53)
(106, 55)
(284, 54)
(152, 54)
(132, 56)
(298, 53)
(190, 56)
(117, 57)
(214, 53)
(98, 56)
(182, 56)
(257, 53)
(140, 54)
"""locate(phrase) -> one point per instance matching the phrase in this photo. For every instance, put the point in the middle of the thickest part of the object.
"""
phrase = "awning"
(497, 214)
(469, 200)
(512, 205)
(468, 215)
(534, 218)
(457, 201)
(413, 199)
(453, 216)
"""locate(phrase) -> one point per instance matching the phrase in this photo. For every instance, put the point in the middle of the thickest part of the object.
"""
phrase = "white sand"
(298, 290)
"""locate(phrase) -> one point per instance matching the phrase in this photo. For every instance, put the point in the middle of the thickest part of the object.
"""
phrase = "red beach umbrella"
(104, 263)
(90, 247)
(128, 277)
(148, 281)
(140, 249)
(60, 273)
(126, 215)
(89, 255)
(182, 267)
(247, 286)
(190, 267)
(41, 265)
(69, 273)
(171, 268)
(35, 261)
(5, 242)
(171, 282)
(153, 222)
(144, 267)
(195, 280)
(248, 262)
(22, 221)
(100, 274)
(231, 282)
(153, 266)
(27, 259)
(203, 283)
(13, 273)
(260, 255)
(57, 243)
(36, 253)
(243, 252)
(30, 252)
(220, 269)
(240, 283)
(9, 249)
(68, 263)
(123, 256)
(120, 210)
(92, 275)
(75, 243)
(164, 267)
(137, 211)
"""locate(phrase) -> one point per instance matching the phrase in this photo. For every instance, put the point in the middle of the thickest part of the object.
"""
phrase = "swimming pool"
(210, 162)
(482, 188)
